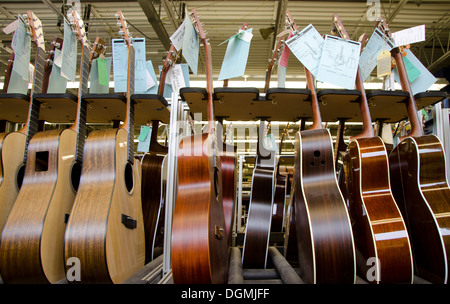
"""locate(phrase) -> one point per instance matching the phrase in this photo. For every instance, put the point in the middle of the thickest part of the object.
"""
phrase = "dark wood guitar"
(420, 187)
(154, 179)
(326, 252)
(105, 230)
(199, 244)
(14, 145)
(257, 231)
(33, 237)
(379, 231)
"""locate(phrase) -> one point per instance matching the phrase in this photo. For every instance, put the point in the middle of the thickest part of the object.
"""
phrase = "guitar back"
(105, 229)
(325, 241)
(199, 240)
(421, 190)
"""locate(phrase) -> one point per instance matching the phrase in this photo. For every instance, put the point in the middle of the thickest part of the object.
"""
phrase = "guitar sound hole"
(75, 175)
(312, 164)
(316, 153)
(129, 177)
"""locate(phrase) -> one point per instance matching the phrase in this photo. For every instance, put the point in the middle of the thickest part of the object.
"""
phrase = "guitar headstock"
(290, 23)
(123, 26)
(197, 24)
(78, 25)
(37, 33)
(98, 48)
(338, 28)
(384, 27)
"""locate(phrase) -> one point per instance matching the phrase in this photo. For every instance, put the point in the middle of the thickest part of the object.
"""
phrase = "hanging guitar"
(378, 227)
(420, 187)
(105, 230)
(33, 237)
(154, 179)
(326, 252)
(13, 145)
(199, 244)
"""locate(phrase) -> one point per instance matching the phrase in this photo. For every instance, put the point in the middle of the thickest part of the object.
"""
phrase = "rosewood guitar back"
(325, 241)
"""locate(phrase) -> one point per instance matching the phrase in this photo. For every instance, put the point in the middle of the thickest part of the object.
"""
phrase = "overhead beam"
(154, 19)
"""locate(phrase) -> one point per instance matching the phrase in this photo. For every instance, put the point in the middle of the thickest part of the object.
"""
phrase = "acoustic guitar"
(105, 230)
(420, 187)
(325, 246)
(14, 145)
(33, 236)
(379, 231)
(154, 179)
(199, 251)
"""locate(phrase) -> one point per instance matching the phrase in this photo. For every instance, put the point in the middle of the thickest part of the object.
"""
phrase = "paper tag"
(11, 27)
(176, 77)
(411, 69)
(384, 64)
(178, 36)
(410, 35)
(245, 36)
(103, 75)
(144, 139)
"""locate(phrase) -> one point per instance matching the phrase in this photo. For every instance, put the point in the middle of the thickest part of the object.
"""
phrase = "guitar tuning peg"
(121, 33)
(117, 16)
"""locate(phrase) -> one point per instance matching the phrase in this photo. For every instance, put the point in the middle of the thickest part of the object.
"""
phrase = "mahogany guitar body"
(199, 242)
(326, 249)
(153, 196)
(420, 187)
(378, 225)
(279, 201)
(31, 250)
(228, 166)
(105, 230)
(12, 149)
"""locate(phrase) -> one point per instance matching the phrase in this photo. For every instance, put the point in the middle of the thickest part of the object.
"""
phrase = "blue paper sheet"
(236, 56)
(21, 44)
(57, 83)
(69, 53)
(191, 46)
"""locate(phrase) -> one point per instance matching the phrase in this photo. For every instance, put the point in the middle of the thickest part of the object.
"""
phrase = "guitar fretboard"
(31, 126)
(130, 107)
(80, 124)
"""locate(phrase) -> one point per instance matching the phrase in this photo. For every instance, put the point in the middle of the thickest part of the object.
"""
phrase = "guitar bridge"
(129, 222)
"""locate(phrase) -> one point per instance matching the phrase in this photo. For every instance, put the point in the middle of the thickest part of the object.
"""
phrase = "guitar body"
(12, 149)
(279, 201)
(378, 226)
(421, 190)
(325, 241)
(228, 166)
(109, 196)
(199, 242)
(153, 196)
(32, 241)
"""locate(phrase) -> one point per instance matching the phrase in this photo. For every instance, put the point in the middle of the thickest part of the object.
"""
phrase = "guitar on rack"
(105, 230)
(326, 252)
(373, 210)
(154, 169)
(257, 231)
(199, 251)
(279, 199)
(33, 238)
(420, 187)
(14, 145)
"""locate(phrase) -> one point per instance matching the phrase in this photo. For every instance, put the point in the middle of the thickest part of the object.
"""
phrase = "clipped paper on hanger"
(21, 44)
(144, 139)
(236, 55)
(191, 46)
(284, 58)
(339, 62)
(56, 83)
(178, 36)
(69, 53)
(307, 47)
(384, 64)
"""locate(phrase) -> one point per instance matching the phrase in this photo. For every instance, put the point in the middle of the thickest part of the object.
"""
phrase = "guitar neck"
(31, 126)
(317, 119)
(128, 124)
(79, 125)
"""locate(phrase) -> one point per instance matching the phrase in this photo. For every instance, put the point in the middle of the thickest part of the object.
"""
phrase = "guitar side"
(108, 199)
(421, 190)
(378, 225)
(199, 242)
(326, 249)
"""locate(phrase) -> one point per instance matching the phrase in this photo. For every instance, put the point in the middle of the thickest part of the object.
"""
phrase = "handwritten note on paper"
(69, 53)
(307, 47)
(339, 62)
(236, 55)
(409, 35)
(377, 43)
(140, 71)
(191, 46)
(168, 89)
(21, 44)
(177, 37)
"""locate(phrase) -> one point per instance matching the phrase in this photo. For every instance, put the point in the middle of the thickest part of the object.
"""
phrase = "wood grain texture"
(326, 250)
(152, 201)
(421, 190)
(31, 248)
(378, 225)
(198, 255)
(108, 251)
(12, 148)
(279, 201)
(228, 161)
